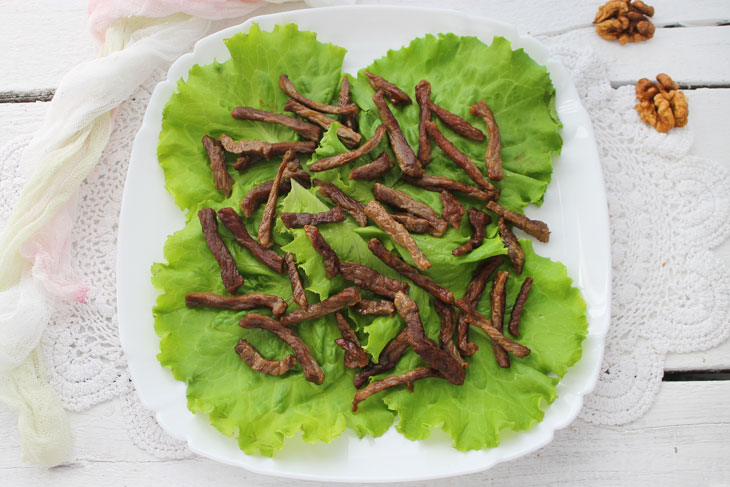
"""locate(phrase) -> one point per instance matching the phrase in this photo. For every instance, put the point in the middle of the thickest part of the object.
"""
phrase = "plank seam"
(696, 375)
(29, 96)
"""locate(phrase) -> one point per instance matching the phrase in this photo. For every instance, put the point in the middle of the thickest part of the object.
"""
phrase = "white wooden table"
(683, 440)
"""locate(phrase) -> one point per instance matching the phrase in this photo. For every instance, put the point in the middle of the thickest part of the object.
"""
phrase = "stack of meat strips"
(445, 359)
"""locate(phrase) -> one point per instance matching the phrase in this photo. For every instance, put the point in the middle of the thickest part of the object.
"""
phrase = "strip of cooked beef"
(260, 194)
(290, 90)
(498, 299)
(265, 149)
(237, 303)
(349, 137)
(407, 379)
(472, 296)
(343, 100)
(221, 179)
(425, 347)
(331, 262)
(399, 199)
(423, 93)
(456, 123)
(390, 259)
(389, 356)
(233, 222)
(440, 183)
(398, 232)
(232, 279)
(297, 290)
(248, 159)
(514, 250)
(244, 161)
(306, 130)
(452, 211)
(446, 334)
(372, 280)
(461, 159)
(267, 219)
(493, 158)
(403, 153)
(339, 160)
(394, 94)
(373, 170)
(343, 299)
(412, 223)
(355, 355)
(310, 367)
(258, 363)
(476, 319)
(350, 205)
(375, 308)
(536, 228)
(298, 220)
(516, 316)
(478, 221)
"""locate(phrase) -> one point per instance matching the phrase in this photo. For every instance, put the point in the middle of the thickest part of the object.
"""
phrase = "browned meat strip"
(388, 359)
(244, 161)
(516, 316)
(536, 228)
(260, 193)
(498, 299)
(412, 223)
(221, 179)
(232, 279)
(290, 90)
(339, 160)
(399, 199)
(343, 100)
(375, 308)
(452, 211)
(306, 130)
(233, 222)
(407, 379)
(492, 159)
(244, 301)
(348, 136)
(439, 183)
(446, 334)
(394, 94)
(343, 299)
(478, 221)
(258, 363)
(476, 319)
(424, 346)
(398, 232)
(350, 205)
(439, 292)
(310, 367)
(265, 149)
(298, 220)
(331, 262)
(373, 170)
(403, 152)
(355, 355)
(372, 280)
(472, 296)
(423, 93)
(267, 220)
(461, 159)
(514, 250)
(298, 294)
(456, 123)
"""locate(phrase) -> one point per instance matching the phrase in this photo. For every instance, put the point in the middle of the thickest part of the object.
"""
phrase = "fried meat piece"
(375, 308)
(446, 334)
(478, 221)
(476, 319)
(398, 232)
(407, 379)
(237, 303)
(401, 200)
(392, 352)
(348, 136)
(298, 220)
(306, 130)
(498, 298)
(452, 211)
(403, 153)
(253, 358)
(221, 179)
(310, 367)
(344, 100)
(297, 290)
(461, 159)
(372, 280)
(260, 193)
(342, 159)
(244, 161)
(290, 90)
(355, 355)
(267, 220)
(331, 262)
(233, 222)
(516, 316)
(423, 94)
(350, 205)
(412, 223)
(394, 94)
(343, 299)
(440, 183)
(456, 123)
(514, 250)
(472, 296)
(536, 228)
(232, 279)
(492, 159)
(439, 292)
(265, 149)
(373, 170)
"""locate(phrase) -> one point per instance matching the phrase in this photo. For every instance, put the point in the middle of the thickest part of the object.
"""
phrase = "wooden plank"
(717, 358)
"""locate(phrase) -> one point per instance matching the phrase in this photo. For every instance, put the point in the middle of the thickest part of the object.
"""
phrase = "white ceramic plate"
(575, 207)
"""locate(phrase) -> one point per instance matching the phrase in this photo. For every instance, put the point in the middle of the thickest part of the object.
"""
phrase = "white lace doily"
(670, 293)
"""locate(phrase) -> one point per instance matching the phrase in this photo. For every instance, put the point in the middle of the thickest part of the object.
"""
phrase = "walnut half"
(661, 104)
(625, 21)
